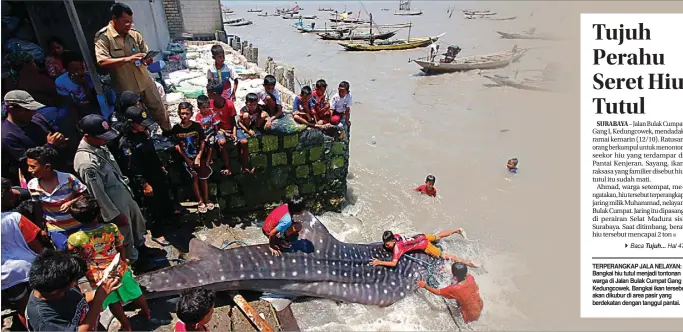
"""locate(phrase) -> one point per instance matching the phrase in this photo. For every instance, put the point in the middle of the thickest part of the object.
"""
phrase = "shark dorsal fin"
(200, 249)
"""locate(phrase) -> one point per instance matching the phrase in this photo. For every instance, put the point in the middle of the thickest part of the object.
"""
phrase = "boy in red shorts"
(401, 245)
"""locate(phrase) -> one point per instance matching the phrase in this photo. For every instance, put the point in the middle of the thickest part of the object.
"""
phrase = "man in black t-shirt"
(56, 303)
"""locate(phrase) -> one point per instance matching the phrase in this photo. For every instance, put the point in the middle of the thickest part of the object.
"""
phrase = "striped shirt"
(67, 189)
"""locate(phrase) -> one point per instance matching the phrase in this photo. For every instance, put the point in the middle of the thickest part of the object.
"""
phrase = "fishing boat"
(299, 17)
(527, 35)
(254, 10)
(523, 84)
(356, 35)
(325, 9)
(237, 22)
(488, 61)
(480, 14)
(475, 12)
(404, 9)
(501, 19)
(472, 17)
(265, 14)
(391, 45)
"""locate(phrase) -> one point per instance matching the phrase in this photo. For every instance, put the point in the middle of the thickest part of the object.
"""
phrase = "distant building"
(201, 18)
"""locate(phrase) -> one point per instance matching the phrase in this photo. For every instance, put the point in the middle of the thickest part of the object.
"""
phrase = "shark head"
(317, 265)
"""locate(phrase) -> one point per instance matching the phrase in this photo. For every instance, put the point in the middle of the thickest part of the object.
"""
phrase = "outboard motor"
(451, 53)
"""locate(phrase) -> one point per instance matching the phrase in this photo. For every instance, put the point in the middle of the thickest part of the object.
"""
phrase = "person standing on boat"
(433, 52)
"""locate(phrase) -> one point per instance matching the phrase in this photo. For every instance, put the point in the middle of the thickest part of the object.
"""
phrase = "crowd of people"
(75, 176)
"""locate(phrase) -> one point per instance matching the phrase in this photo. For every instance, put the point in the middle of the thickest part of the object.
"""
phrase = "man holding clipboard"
(122, 51)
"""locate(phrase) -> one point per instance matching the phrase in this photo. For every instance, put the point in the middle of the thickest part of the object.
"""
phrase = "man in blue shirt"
(24, 129)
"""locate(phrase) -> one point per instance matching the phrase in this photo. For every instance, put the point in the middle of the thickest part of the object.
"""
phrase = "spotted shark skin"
(317, 265)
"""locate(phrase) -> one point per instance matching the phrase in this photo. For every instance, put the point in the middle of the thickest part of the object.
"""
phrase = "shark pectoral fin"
(278, 303)
(200, 249)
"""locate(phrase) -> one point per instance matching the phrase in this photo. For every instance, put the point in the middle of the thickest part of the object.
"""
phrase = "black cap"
(95, 125)
(138, 115)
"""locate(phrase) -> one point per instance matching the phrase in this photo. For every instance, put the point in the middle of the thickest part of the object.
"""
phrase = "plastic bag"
(15, 44)
(286, 125)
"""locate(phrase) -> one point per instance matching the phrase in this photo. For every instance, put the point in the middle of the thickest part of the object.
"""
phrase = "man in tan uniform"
(120, 50)
(105, 181)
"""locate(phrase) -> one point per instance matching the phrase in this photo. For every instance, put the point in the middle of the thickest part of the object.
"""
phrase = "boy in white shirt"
(270, 99)
(341, 105)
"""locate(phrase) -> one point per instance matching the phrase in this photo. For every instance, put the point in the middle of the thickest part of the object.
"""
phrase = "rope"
(226, 244)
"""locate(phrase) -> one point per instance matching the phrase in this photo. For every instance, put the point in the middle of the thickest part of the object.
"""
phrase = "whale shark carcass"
(317, 265)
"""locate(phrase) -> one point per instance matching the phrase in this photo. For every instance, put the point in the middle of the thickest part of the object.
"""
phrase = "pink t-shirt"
(407, 244)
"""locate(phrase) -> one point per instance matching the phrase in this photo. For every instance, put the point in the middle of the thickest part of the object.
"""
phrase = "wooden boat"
(475, 12)
(526, 35)
(523, 84)
(480, 14)
(391, 45)
(347, 20)
(238, 22)
(409, 13)
(404, 9)
(502, 19)
(472, 17)
(488, 61)
(353, 35)
(299, 17)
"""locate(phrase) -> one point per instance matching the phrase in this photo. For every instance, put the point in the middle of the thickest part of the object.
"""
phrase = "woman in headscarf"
(53, 62)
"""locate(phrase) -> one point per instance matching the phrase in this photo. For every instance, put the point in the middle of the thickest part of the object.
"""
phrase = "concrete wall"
(308, 163)
(201, 17)
(174, 18)
(150, 21)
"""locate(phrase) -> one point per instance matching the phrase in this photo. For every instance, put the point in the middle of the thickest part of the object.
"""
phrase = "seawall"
(307, 162)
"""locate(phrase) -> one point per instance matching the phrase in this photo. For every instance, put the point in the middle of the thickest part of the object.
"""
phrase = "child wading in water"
(190, 145)
(428, 187)
(195, 310)
(98, 243)
(512, 165)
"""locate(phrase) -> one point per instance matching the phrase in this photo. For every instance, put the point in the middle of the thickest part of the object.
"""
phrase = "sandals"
(202, 208)
(226, 172)
(210, 206)
(161, 242)
(248, 170)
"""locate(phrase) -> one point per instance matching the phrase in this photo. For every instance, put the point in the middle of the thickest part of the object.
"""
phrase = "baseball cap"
(22, 99)
(138, 115)
(95, 125)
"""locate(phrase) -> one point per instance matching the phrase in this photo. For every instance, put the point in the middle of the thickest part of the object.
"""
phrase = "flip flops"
(202, 208)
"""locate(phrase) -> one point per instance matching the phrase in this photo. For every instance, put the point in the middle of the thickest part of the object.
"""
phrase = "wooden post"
(267, 65)
(289, 78)
(247, 53)
(280, 74)
(244, 45)
(254, 55)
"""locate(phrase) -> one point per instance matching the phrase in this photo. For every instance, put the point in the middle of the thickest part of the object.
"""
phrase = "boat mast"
(410, 26)
(371, 39)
